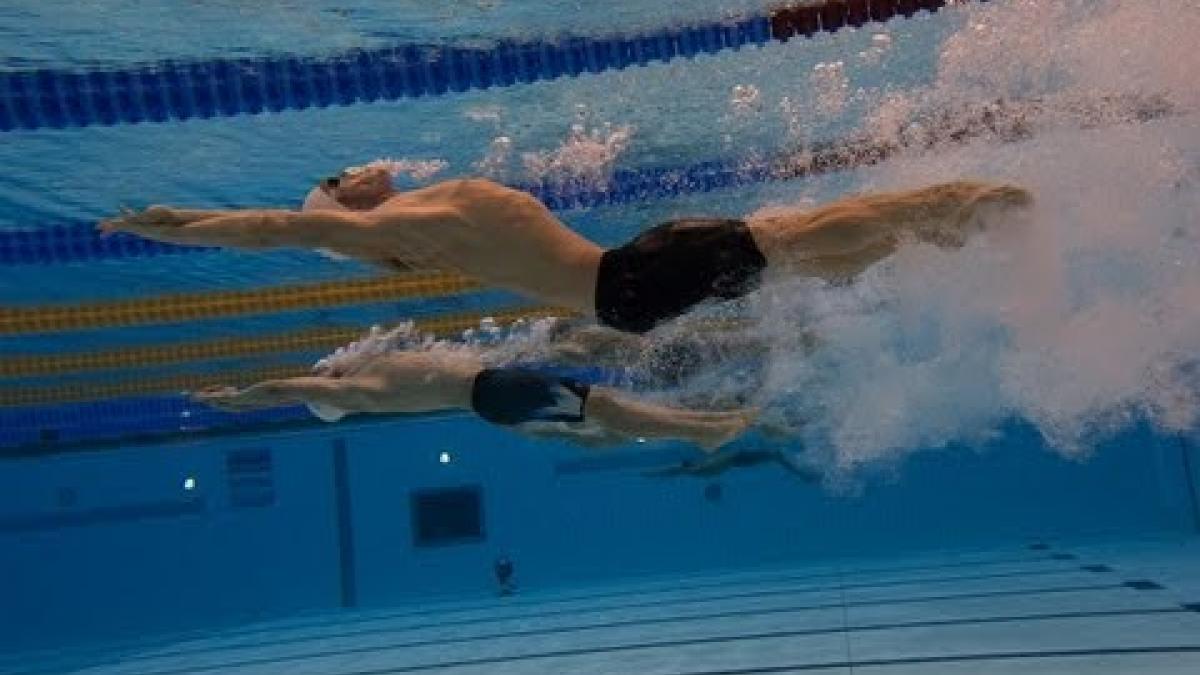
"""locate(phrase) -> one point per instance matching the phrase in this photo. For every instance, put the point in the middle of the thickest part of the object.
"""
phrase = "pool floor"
(1043, 607)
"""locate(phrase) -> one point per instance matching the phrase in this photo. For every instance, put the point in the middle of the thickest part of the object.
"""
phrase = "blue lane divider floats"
(172, 90)
(179, 90)
(78, 241)
(40, 429)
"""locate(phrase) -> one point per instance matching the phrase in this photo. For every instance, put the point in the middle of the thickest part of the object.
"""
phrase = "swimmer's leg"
(616, 412)
(531, 401)
(842, 238)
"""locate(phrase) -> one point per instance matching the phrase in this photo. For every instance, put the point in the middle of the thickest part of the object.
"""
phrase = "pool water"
(1005, 434)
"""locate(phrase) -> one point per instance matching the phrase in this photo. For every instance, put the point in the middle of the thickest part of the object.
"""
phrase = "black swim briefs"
(515, 396)
(669, 268)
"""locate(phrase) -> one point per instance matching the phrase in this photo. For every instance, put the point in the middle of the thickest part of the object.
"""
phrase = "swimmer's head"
(359, 188)
(318, 199)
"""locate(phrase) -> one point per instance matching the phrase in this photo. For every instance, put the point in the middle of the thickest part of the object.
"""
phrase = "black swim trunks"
(669, 268)
(515, 396)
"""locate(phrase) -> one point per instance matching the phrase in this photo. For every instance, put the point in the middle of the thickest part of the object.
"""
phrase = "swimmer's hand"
(149, 222)
(231, 399)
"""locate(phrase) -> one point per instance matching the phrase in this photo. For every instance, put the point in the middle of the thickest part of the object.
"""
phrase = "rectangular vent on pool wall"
(251, 484)
(446, 516)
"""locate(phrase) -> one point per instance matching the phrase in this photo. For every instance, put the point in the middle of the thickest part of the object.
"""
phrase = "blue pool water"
(1005, 435)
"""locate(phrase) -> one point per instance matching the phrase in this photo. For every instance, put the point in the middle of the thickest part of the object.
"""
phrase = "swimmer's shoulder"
(448, 191)
(474, 190)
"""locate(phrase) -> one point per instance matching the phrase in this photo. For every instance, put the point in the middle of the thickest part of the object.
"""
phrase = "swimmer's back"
(541, 256)
(465, 194)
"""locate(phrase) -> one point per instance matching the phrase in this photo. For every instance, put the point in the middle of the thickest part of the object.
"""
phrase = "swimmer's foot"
(982, 203)
(723, 428)
(1010, 196)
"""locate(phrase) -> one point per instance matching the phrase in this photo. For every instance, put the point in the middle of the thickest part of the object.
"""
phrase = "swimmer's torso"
(486, 213)
(420, 380)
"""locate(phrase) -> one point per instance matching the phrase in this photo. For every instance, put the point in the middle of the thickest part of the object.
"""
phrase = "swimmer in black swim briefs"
(507, 238)
(526, 400)
(669, 268)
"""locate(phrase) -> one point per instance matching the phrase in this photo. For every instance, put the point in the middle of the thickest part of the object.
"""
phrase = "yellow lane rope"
(193, 306)
(170, 384)
(444, 325)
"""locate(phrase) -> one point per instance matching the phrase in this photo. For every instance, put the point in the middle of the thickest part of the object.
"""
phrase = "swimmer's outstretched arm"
(352, 394)
(270, 228)
(245, 228)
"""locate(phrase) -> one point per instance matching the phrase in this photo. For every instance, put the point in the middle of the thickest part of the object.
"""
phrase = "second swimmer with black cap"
(526, 400)
(507, 238)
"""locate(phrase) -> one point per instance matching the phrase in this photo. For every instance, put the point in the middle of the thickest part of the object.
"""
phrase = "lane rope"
(192, 306)
(173, 90)
(316, 339)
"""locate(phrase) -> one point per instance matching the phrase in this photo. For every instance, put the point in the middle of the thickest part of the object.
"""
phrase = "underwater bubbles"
(830, 87)
(586, 154)
(1080, 317)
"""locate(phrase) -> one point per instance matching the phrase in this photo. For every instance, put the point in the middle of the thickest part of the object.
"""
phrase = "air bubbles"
(881, 44)
(745, 98)
(587, 154)
(490, 328)
(497, 159)
(830, 87)
(1078, 316)
(484, 113)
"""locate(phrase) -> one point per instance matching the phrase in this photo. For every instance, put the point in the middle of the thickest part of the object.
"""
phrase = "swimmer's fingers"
(148, 222)
(117, 224)
(163, 216)
(155, 217)
(1006, 195)
(214, 394)
(222, 397)
(1016, 196)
